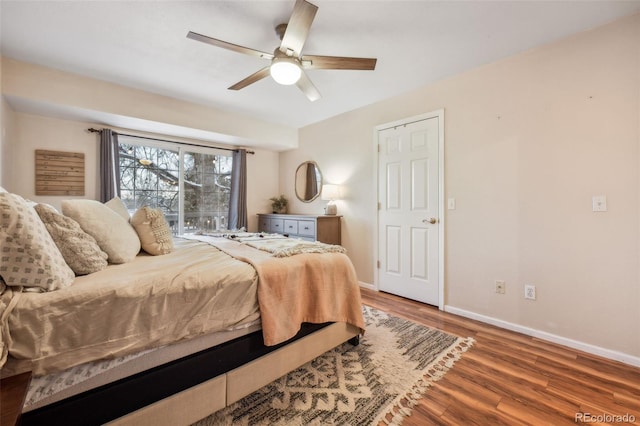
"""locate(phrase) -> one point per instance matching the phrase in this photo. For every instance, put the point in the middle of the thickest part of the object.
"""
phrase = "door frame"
(441, 201)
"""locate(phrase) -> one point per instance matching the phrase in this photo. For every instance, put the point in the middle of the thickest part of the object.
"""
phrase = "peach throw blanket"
(309, 287)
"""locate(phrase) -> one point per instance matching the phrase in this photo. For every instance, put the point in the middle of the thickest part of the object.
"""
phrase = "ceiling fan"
(287, 61)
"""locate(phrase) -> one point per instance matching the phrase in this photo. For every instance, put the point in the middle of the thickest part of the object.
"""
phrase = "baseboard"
(367, 285)
(543, 335)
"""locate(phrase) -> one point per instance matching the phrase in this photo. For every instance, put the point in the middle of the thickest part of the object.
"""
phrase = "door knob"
(431, 220)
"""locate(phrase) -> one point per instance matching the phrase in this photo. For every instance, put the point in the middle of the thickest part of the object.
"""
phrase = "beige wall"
(528, 141)
(7, 135)
(53, 90)
(39, 132)
(48, 88)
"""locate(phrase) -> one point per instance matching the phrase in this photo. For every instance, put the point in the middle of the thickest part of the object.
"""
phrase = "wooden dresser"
(323, 228)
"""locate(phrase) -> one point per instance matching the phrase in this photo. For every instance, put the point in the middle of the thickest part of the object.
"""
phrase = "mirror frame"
(319, 172)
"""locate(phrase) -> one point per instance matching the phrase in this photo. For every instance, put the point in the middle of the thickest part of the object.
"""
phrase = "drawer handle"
(306, 227)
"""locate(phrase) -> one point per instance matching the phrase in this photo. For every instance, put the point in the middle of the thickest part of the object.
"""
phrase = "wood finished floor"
(508, 378)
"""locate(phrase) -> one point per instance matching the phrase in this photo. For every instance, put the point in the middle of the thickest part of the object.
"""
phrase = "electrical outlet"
(530, 292)
(501, 287)
(599, 203)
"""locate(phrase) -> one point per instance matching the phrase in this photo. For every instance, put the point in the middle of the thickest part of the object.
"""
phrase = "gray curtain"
(109, 165)
(238, 196)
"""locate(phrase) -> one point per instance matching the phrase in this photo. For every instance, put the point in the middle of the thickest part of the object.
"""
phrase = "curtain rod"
(92, 130)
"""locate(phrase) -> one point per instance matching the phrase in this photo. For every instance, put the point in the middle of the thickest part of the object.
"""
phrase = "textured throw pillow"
(117, 205)
(79, 249)
(114, 235)
(28, 255)
(153, 230)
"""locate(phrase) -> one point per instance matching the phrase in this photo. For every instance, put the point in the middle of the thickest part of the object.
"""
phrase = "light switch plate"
(451, 203)
(599, 203)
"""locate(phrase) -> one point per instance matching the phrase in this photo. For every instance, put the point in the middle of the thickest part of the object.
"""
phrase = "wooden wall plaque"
(59, 173)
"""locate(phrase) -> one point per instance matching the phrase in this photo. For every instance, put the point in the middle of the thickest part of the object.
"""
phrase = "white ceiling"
(143, 44)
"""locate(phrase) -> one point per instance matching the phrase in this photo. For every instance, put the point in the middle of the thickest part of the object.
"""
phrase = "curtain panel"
(109, 165)
(238, 195)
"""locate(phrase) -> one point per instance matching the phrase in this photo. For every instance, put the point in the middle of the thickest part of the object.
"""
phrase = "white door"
(408, 209)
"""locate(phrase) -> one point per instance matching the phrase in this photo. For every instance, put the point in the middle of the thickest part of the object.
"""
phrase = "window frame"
(181, 149)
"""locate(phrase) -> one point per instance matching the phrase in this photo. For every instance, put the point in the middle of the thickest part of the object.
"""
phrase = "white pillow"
(113, 234)
(28, 255)
(117, 205)
(153, 230)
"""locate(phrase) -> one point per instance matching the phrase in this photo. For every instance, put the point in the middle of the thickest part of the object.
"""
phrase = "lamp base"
(331, 209)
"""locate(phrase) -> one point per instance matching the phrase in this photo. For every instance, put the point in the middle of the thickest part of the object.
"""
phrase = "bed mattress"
(150, 302)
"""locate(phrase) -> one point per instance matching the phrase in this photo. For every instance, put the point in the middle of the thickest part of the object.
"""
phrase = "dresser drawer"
(264, 224)
(306, 228)
(291, 226)
(277, 225)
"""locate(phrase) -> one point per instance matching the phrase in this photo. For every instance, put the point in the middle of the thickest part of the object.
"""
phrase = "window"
(207, 183)
(149, 176)
(196, 200)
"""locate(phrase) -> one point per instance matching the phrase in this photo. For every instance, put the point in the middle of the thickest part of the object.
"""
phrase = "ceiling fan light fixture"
(288, 64)
(285, 71)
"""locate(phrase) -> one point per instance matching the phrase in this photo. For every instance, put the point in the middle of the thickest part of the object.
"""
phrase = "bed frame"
(184, 391)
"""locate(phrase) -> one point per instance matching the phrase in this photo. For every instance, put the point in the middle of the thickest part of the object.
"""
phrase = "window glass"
(150, 176)
(207, 180)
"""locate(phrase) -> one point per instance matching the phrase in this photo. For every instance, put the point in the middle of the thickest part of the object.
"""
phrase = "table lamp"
(330, 193)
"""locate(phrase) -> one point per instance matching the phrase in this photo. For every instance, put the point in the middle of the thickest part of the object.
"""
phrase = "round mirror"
(308, 181)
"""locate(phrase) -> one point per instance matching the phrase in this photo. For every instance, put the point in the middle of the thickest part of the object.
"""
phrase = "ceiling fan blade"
(256, 76)
(337, 63)
(308, 88)
(228, 46)
(298, 27)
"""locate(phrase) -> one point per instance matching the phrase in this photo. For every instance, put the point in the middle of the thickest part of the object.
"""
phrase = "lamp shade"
(330, 192)
(285, 71)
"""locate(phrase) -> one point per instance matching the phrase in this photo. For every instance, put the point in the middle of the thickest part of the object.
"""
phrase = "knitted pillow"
(153, 230)
(28, 255)
(79, 249)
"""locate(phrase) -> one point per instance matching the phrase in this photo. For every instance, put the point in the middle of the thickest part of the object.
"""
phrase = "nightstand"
(13, 391)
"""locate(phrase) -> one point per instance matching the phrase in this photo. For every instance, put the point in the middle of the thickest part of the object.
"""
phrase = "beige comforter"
(158, 300)
(153, 301)
(308, 287)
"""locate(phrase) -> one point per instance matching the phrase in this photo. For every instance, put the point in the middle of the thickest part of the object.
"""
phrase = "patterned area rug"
(376, 381)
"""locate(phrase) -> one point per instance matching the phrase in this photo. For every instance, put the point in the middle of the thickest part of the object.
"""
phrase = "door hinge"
(378, 147)
(379, 205)
(378, 264)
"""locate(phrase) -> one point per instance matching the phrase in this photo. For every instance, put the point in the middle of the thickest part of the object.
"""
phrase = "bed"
(170, 339)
